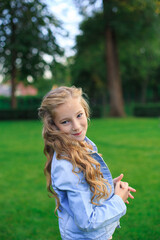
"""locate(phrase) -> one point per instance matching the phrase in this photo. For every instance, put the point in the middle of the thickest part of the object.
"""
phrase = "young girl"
(89, 202)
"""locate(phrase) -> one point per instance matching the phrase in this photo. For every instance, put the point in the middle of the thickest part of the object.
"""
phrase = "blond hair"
(72, 150)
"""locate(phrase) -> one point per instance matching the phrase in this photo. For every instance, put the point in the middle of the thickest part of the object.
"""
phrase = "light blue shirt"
(79, 218)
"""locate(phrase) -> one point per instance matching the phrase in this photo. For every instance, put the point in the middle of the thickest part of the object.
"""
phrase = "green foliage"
(27, 102)
(28, 32)
(61, 73)
(136, 25)
(18, 114)
(43, 85)
(140, 60)
(129, 146)
(27, 108)
(88, 68)
(147, 110)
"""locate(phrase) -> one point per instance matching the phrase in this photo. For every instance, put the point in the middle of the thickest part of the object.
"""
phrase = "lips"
(77, 134)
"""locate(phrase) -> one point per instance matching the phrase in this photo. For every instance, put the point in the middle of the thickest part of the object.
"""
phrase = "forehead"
(71, 106)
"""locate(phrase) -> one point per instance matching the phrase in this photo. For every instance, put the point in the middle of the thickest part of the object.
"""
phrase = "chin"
(80, 138)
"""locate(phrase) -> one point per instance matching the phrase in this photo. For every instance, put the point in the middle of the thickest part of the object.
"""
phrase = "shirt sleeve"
(87, 216)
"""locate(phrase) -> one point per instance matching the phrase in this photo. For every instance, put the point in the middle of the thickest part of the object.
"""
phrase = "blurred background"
(111, 49)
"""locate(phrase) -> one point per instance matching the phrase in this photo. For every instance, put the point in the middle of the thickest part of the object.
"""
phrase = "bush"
(147, 110)
(25, 102)
(26, 108)
(18, 114)
(96, 111)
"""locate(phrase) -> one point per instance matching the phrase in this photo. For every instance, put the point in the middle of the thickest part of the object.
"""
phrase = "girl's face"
(70, 118)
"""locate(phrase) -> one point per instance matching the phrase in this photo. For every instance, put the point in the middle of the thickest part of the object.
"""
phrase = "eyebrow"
(66, 118)
(63, 119)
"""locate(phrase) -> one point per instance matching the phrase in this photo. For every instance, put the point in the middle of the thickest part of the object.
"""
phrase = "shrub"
(147, 110)
(18, 114)
(23, 102)
(26, 108)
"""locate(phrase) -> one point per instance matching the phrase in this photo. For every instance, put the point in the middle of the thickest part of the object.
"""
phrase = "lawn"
(130, 146)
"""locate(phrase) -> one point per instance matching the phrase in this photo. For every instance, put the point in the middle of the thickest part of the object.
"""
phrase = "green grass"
(129, 146)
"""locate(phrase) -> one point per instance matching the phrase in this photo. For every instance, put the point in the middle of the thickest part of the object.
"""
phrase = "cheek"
(60, 127)
(65, 129)
(85, 123)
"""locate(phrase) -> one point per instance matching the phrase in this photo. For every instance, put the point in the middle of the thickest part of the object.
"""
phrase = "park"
(117, 64)
(129, 146)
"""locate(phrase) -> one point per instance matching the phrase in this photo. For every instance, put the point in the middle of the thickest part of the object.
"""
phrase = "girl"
(89, 202)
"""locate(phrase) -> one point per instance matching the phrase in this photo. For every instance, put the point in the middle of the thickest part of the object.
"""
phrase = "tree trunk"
(13, 86)
(104, 104)
(13, 64)
(112, 63)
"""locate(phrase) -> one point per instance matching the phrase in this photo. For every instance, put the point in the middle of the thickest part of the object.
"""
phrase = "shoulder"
(62, 175)
(60, 166)
(92, 143)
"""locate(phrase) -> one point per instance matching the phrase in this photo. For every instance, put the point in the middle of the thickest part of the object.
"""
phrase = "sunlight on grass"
(129, 146)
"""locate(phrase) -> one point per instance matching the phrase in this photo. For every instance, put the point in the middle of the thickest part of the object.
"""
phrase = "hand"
(119, 178)
(130, 189)
(124, 185)
(122, 192)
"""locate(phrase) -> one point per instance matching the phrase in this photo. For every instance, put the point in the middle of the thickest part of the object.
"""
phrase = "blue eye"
(65, 122)
(79, 115)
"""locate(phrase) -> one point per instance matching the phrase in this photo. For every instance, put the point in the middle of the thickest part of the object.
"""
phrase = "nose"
(75, 125)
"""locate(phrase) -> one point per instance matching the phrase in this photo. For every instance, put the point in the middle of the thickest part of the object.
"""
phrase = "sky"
(66, 11)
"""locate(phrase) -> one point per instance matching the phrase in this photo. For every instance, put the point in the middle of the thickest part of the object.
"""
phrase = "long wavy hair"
(67, 148)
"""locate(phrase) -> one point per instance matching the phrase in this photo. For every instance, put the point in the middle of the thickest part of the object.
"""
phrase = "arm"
(86, 215)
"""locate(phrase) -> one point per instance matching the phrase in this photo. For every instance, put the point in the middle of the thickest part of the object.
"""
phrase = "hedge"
(18, 114)
(24, 114)
(24, 102)
(27, 109)
(147, 110)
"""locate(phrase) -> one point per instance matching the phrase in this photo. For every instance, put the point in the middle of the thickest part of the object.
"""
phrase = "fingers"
(130, 196)
(118, 184)
(131, 189)
(124, 184)
(119, 178)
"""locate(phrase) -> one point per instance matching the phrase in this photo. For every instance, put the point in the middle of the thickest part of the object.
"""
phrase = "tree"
(112, 61)
(61, 73)
(138, 44)
(125, 22)
(88, 68)
(27, 32)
